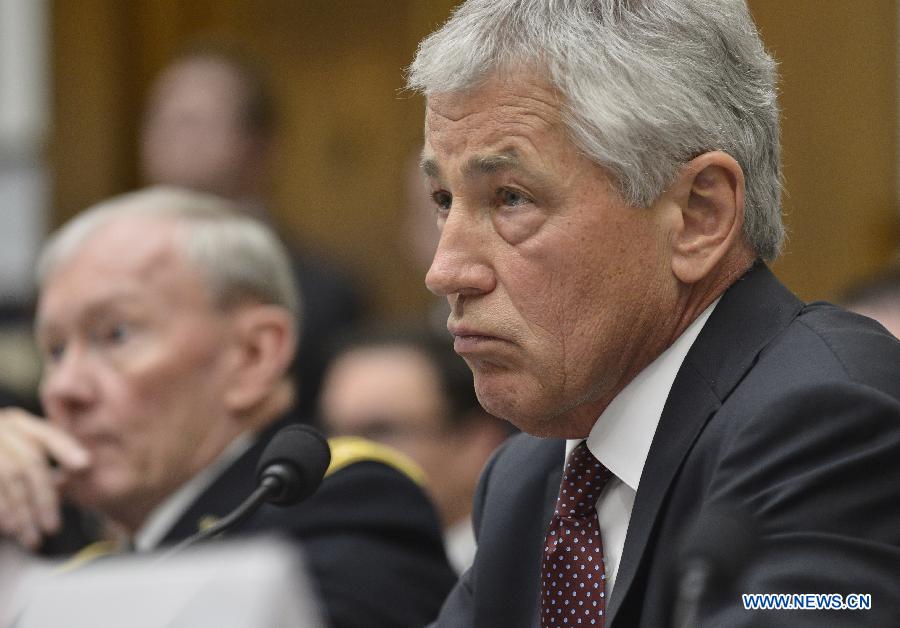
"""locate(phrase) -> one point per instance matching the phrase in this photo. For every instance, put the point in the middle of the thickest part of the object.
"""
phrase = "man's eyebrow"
(487, 164)
(477, 165)
(430, 168)
(94, 309)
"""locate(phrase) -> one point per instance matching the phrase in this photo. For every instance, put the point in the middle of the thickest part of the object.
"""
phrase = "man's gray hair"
(241, 257)
(648, 85)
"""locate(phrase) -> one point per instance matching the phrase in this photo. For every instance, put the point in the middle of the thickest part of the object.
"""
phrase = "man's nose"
(462, 261)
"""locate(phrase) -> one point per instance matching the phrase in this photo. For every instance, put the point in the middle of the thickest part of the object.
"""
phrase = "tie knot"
(583, 479)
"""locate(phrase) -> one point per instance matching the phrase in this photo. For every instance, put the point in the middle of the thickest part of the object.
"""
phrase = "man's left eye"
(512, 197)
(53, 352)
(117, 333)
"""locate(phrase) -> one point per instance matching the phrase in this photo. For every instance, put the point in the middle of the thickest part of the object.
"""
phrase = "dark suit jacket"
(786, 411)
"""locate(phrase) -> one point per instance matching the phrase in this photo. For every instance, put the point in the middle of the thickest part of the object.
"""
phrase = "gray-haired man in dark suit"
(606, 175)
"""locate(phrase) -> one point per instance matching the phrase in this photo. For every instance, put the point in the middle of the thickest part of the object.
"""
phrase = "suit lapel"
(551, 492)
(516, 499)
(682, 421)
(749, 315)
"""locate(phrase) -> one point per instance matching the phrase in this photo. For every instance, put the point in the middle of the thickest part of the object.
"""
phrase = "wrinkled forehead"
(518, 104)
(132, 244)
(131, 255)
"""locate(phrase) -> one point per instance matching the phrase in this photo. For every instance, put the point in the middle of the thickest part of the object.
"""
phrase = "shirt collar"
(164, 516)
(621, 437)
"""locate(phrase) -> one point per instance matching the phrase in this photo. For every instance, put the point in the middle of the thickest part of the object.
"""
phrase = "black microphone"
(712, 556)
(290, 469)
(293, 464)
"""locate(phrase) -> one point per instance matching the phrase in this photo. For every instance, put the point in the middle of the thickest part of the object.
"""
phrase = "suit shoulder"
(828, 343)
(832, 320)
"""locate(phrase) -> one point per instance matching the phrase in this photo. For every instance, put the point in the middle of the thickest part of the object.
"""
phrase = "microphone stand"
(693, 586)
(268, 486)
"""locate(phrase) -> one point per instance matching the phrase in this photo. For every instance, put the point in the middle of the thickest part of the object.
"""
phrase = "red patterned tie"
(573, 574)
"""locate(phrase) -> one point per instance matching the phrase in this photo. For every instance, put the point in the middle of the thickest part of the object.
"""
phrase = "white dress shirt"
(460, 544)
(164, 516)
(621, 438)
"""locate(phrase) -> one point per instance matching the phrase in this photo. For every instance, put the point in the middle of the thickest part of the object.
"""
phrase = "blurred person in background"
(166, 322)
(210, 125)
(406, 387)
(419, 234)
(877, 297)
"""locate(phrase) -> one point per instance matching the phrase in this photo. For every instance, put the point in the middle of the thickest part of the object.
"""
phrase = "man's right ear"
(710, 193)
(264, 345)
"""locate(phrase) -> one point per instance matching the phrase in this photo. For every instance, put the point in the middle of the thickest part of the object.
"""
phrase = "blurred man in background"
(418, 235)
(408, 389)
(210, 125)
(878, 297)
(166, 321)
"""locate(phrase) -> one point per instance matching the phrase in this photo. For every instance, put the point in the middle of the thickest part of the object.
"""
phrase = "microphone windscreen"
(305, 452)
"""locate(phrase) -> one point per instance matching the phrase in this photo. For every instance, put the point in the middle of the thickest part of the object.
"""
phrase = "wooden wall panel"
(336, 69)
(838, 64)
(92, 100)
(348, 130)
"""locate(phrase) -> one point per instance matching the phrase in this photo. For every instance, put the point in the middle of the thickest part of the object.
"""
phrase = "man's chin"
(518, 409)
(541, 417)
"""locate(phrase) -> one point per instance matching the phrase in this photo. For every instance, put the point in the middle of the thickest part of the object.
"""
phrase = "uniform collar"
(164, 516)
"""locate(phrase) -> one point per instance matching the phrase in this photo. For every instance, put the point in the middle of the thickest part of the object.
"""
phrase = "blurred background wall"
(838, 63)
(74, 75)
(336, 67)
(24, 182)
